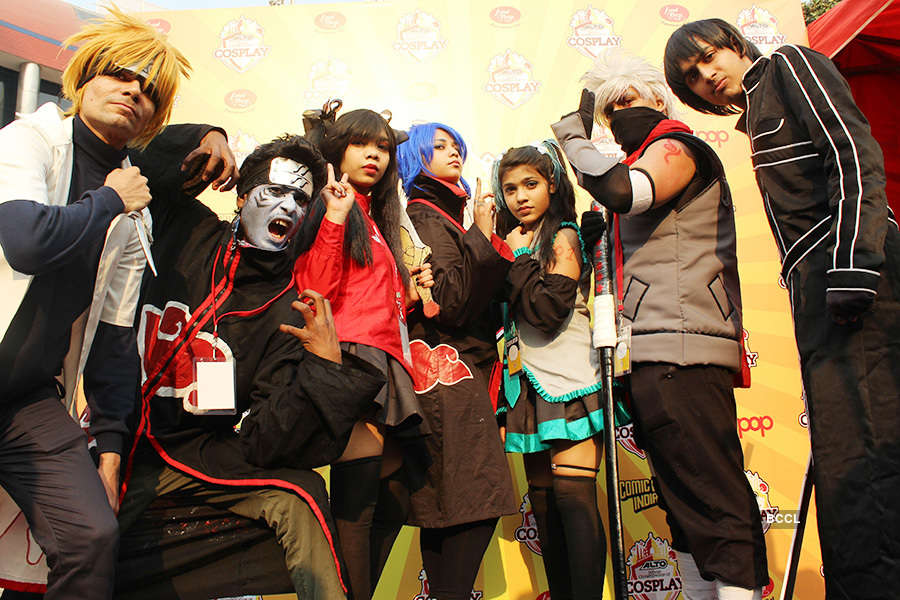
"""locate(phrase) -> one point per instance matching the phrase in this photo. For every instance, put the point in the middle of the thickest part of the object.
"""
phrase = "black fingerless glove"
(593, 225)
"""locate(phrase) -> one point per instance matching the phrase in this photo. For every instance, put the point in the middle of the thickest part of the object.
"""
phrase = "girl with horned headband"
(351, 254)
(453, 356)
(551, 402)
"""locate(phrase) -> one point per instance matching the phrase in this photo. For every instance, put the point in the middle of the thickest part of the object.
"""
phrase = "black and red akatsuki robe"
(296, 410)
(453, 354)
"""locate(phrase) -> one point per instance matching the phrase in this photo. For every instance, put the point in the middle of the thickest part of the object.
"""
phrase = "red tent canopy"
(862, 37)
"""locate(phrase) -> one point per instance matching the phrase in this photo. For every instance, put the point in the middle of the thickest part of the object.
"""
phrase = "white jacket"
(36, 156)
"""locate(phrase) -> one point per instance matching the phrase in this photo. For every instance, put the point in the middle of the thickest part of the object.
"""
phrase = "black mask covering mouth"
(631, 126)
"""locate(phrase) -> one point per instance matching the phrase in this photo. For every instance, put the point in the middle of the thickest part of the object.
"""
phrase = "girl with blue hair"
(415, 156)
(468, 484)
(551, 403)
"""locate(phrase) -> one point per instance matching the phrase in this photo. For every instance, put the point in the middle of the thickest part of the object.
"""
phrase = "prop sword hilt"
(604, 339)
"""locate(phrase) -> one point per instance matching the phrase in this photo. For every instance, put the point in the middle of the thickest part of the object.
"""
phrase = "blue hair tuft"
(414, 154)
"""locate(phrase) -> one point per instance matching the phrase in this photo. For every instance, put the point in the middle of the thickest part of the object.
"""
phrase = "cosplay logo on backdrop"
(425, 592)
(419, 34)
(625, 437)
(674, 14)
(239, 100)
(760, 27)
(510, 79)
(329, 21)
(652, 570)
(242, 144)
(592, 32)
(161, 25)
(328, 78)
(605, 143)
(752, 357)
(527, 532)
(487, 161)
(760, 489)
(505, 16)
(158, 334)
(432, 366)
(241, 44)
(641, 492)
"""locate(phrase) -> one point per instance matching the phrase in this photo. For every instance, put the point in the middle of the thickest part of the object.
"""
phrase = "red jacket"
(368, 301)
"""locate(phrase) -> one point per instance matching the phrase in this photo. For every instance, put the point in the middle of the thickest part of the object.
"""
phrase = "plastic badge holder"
(214, 378)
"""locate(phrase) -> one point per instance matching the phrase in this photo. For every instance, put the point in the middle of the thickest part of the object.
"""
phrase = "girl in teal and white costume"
(551, 400)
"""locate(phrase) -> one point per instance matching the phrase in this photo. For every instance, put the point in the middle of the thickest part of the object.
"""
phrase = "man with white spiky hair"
(680, 295)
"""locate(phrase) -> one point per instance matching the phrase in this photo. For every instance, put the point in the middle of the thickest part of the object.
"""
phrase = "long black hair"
(361, 125)
(562, 199)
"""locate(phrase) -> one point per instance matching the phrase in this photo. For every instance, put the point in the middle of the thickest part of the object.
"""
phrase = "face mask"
(271, 216)
(631, 126)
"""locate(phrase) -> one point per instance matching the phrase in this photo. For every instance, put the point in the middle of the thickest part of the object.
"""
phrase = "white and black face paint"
(272, 214)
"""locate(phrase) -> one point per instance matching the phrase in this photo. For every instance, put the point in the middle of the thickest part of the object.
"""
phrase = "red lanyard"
(236, 313)
(438, 209)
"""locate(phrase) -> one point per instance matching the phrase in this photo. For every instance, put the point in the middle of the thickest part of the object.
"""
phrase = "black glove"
(593, 226)
(847, 305)
(586, 111)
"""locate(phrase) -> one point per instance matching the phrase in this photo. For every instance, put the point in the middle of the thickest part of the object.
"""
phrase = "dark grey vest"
(682, 291)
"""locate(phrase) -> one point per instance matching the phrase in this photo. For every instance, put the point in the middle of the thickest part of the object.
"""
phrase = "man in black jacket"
(74, 237)
(821, 175)
(283, 398)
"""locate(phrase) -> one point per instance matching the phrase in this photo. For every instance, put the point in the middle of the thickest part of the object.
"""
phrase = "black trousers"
(685, 419)
(851, 375)
(46, 468)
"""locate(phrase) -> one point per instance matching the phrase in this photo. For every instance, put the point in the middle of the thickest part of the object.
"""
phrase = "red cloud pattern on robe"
(432, 366)
(159, 332)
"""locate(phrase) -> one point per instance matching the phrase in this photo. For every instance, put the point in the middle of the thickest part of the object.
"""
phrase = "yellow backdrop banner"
(500, 74)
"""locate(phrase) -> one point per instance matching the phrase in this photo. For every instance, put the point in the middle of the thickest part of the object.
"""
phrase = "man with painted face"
(283, 399)
(680, 294)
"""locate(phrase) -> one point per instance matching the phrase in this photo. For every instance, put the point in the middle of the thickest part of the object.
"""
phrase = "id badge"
(214, 379)
(622, 354)
(513, 358)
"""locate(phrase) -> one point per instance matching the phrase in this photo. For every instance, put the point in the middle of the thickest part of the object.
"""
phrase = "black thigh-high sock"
(390, 515)
(354, 492)
(553, 541)
(576, 498)
(451, 557)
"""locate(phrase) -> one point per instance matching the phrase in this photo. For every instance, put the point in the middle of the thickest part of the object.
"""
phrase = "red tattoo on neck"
(671, 150)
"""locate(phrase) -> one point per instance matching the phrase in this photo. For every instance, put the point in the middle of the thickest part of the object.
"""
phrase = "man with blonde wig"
(74, 230)
(680, 295)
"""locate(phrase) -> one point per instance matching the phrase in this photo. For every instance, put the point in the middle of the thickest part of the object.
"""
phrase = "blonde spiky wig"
(118, 41)
(614, 72)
